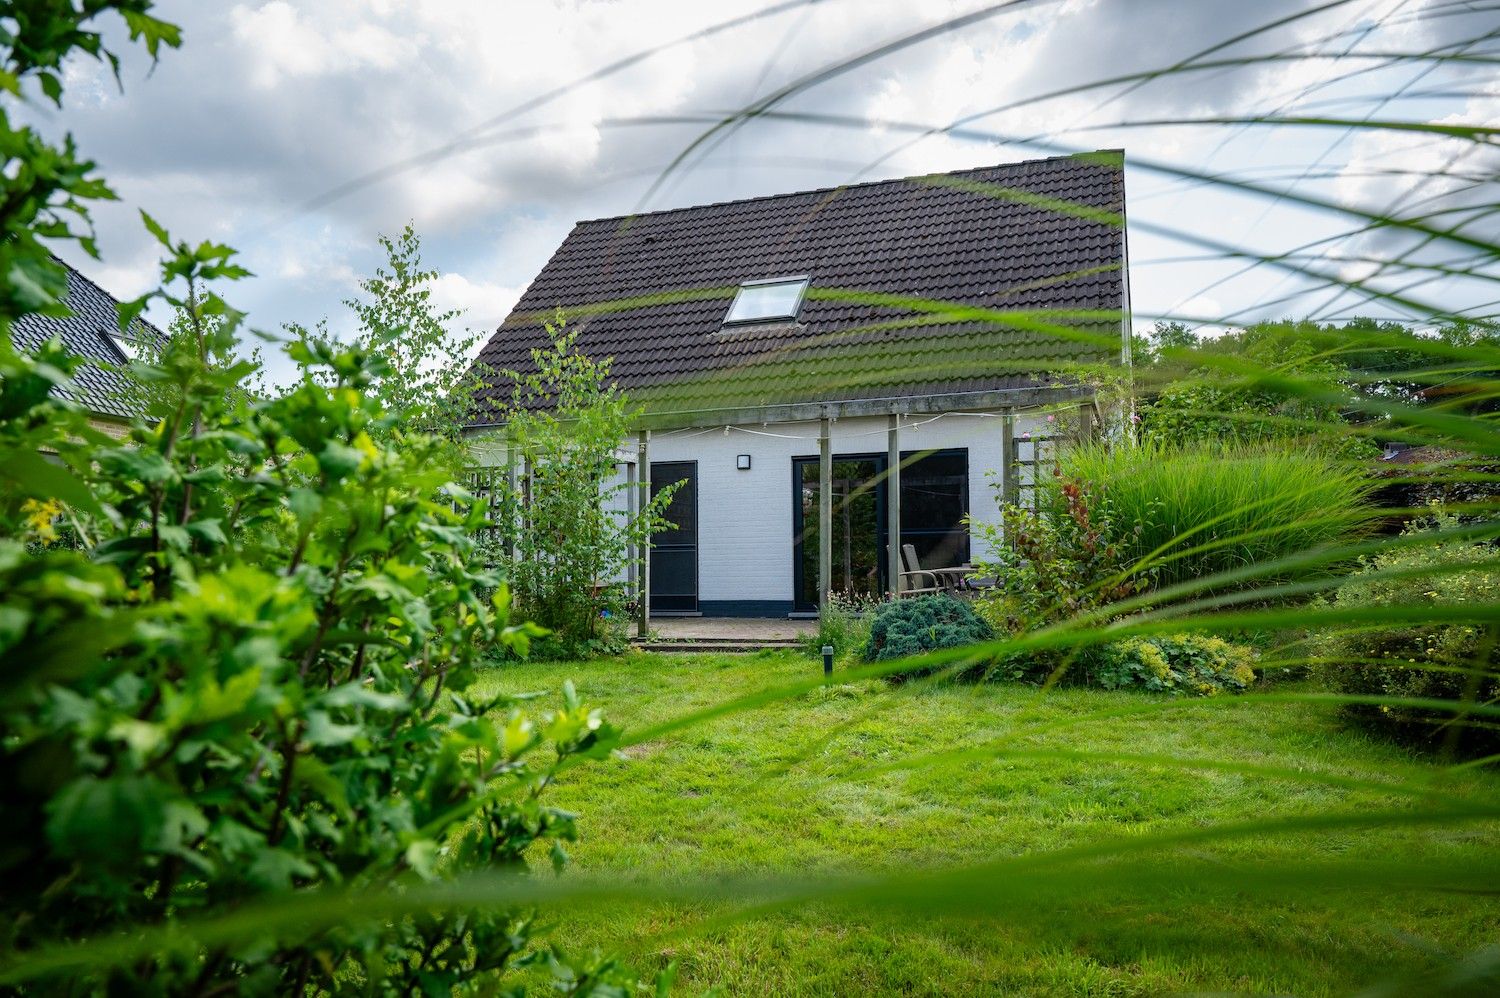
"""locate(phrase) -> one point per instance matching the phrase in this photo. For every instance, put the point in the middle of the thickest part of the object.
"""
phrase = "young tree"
(428, 379)
(571, 528)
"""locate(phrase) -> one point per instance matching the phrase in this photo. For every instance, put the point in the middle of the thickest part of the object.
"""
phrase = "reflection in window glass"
(757, 301)
(934, 502)
(128, 346)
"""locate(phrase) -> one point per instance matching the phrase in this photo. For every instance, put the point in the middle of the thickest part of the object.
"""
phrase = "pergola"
(1005, 402)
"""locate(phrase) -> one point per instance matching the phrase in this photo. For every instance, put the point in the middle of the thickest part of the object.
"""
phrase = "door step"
(720, 645)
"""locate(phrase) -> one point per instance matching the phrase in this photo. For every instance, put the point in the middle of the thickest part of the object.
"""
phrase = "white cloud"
(273, 102)
(293, 46)
(484, 305)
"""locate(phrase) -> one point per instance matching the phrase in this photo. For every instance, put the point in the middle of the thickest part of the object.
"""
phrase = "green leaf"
(360, 695)
(51, 86)
(274, 869)
(323, 731)
(175, 537)
(305, 503)
(106, 820)
(40, 478)
(313, 774)
(213, 702)
(422, 857)
(208, 530)
(154, 227)
(146, 466)
(127, 312)
(339, 460)
(152, 30)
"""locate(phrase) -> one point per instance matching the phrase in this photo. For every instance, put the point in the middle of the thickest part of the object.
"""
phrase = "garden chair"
(913, 581)
(940, 580)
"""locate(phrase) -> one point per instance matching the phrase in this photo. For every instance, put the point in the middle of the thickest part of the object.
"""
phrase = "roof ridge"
(848, 187)
(105, 292)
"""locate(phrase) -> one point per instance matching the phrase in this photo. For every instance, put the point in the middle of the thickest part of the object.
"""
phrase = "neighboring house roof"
(97, 383)
(1040, 235)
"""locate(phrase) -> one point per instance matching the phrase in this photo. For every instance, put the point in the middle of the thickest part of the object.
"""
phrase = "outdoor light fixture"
(742, 462)
(828, 660)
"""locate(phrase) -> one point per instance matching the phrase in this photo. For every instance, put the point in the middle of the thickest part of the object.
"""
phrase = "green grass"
(787, 790)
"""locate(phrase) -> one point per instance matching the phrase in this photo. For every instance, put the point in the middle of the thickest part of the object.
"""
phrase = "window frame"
(803, 281)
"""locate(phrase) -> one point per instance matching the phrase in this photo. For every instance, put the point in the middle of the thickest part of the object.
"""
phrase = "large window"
(934, 503)
(764, 301)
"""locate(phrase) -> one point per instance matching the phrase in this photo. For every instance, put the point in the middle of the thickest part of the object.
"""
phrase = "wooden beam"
(1085, 422)
(643, 590)
(803, 412)
(893, 502)
(825, 513)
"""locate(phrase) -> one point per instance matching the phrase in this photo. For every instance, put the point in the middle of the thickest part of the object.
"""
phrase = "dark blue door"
(674, 551)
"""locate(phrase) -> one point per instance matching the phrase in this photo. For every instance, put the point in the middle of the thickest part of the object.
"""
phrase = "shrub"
(920, 624)
(1219, 393)
(573, 532)
(1190, 513)
(254, 679)
(1191, 664)
(1052, 565)
(843, 623)
(1439, 661)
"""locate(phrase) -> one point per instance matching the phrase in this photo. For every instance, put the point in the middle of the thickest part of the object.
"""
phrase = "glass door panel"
(858, 528)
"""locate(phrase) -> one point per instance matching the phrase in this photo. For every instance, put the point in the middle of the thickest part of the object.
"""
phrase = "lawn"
(796, 789)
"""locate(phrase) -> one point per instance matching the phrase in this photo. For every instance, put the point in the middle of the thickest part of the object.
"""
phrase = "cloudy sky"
(298, 131)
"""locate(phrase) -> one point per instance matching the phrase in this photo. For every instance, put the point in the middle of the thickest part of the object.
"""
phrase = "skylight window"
(762, 301)
(128, 347)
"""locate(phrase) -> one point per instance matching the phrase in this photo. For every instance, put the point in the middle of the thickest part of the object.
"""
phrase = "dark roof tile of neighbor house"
(1039, 241)
(98, 385)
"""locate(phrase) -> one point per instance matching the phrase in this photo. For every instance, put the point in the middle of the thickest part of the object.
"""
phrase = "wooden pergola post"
(632, 512)
(893, 503)
(825, 513)
(643, 573)
(1010, 489)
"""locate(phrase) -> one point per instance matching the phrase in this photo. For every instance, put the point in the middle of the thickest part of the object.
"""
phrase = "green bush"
(1054, 565)
(1191, 664)
(238, 723)
(845, 624)
(1215, 391)
(567, 515)
(252, 679)
(920, 624)
(1437, 661)
(1188, 513)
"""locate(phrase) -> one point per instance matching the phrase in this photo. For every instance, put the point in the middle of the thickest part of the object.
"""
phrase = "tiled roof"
(97, 385)
(1040, 241)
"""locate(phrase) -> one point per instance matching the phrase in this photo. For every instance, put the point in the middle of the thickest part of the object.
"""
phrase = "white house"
(820, 366)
